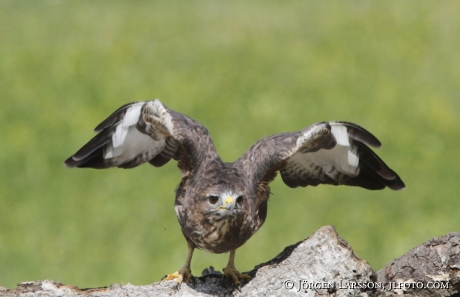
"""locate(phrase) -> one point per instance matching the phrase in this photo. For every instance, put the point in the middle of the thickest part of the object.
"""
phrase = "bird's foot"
(231, 274)
(182, 273)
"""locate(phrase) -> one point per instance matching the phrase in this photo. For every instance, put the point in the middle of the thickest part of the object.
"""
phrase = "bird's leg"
(230, 272)
(185, 271)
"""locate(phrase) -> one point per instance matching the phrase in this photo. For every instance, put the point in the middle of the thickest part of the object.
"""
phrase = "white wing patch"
(119, 136)
(336, 162)
(135, 143)
(342, 158)
(129, 143)
(132, 115)
(341, 135)
(353, 159)
(130, 119)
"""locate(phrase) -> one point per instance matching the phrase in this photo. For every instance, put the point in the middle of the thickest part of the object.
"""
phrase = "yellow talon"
(180, 274)
(230, 273)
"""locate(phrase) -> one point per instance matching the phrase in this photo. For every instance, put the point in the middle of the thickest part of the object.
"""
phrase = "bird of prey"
(220, 205)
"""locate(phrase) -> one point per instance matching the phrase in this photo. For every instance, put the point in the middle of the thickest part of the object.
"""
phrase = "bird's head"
(224, 203)
(217, 218)
(221, 197)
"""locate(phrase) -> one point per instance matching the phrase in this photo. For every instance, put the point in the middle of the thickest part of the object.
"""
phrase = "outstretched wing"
(142, 132)
(324, 153)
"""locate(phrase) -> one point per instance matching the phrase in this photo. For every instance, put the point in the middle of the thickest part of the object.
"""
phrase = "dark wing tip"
(396, 184)
(91, 149)
(371, 179)
(70, 163)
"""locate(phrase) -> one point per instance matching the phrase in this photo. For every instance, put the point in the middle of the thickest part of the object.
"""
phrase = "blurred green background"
(245, 69)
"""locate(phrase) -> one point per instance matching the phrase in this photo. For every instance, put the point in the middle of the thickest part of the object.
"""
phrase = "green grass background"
(245, 69)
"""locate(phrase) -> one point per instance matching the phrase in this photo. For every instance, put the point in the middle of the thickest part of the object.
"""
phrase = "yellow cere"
(229, 200)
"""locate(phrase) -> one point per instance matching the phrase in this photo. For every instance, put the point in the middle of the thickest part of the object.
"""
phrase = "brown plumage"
(221, 205)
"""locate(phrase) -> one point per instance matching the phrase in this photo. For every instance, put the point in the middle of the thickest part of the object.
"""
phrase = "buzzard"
(220, 205)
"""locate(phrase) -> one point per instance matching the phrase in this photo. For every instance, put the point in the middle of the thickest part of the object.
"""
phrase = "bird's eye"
(239, 200)
(213, 199)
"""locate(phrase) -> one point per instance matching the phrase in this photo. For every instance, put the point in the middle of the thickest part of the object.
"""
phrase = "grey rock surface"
(431, 269)
(322, 265)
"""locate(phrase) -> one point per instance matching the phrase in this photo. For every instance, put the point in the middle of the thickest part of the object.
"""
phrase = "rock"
(431, 269)
(322, 265)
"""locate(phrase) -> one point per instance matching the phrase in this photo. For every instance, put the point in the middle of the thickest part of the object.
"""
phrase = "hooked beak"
(229, 204)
